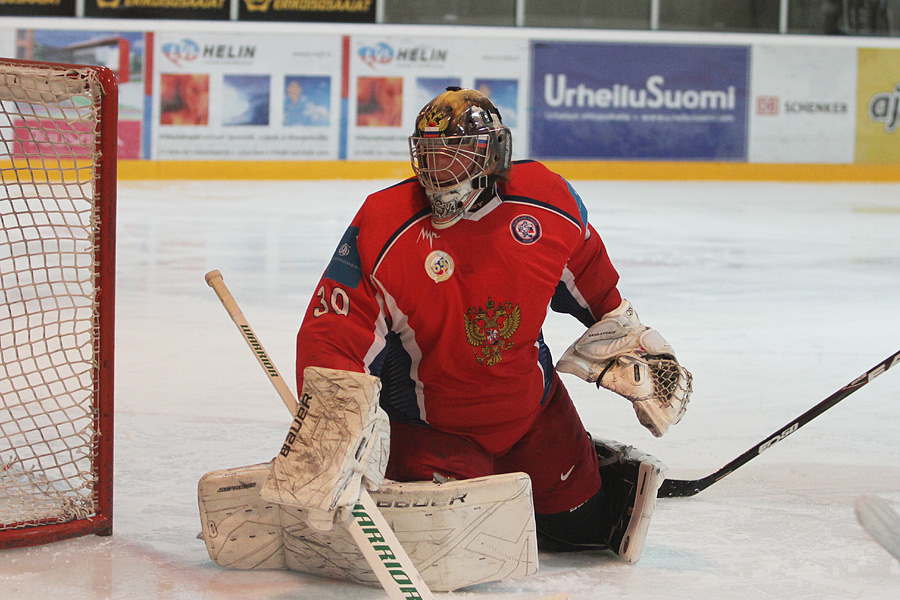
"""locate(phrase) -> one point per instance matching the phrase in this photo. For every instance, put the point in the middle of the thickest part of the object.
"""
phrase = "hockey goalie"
(425, 379)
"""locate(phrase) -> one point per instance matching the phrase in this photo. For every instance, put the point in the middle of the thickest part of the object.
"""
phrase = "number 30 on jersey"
(337, 302)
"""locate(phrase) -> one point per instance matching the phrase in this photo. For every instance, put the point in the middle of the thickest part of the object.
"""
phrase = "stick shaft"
(679, 488)
(376, 540)
(217, 283)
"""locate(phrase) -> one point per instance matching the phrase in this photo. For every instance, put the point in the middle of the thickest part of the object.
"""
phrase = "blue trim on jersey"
(582, 209)
(546, 362)
(564, 302)
(398, 391)
(345, 267)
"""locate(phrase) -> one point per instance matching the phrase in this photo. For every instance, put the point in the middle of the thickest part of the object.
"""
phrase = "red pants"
(557, 454)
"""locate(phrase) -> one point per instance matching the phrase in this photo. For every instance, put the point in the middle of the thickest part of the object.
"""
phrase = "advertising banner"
(796, 117)
(246, 97)
(121, 51)
(330, 11)
(37, 8)
(639, 101)
(159, 9)
(392, 78)
(878, 106)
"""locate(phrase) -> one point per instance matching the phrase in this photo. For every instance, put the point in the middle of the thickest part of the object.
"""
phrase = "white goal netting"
(49, 319)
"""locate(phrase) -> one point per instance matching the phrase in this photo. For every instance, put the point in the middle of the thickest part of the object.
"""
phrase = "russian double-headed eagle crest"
(489, 330)
(434, 123)
(442, 114)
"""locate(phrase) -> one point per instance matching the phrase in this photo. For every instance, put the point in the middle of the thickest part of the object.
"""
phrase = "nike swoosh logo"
(565, 475)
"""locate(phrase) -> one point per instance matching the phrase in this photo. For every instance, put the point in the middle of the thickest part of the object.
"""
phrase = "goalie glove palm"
(621, 354)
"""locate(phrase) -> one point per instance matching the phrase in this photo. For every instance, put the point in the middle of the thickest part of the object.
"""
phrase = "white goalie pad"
(240, 529)
(458, 533)
(337, 442)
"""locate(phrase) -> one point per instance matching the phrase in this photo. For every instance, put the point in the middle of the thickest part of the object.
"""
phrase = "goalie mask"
(459, 148)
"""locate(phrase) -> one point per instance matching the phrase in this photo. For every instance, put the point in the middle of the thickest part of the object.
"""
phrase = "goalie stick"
(881, 521)
(680, 488)
(377, 542)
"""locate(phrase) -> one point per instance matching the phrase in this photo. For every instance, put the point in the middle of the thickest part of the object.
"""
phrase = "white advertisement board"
(8, 43)
(802, 104)
(392, 78)
(226, 96)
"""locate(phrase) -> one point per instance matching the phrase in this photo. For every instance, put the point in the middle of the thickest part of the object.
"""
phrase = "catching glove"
(626, 357)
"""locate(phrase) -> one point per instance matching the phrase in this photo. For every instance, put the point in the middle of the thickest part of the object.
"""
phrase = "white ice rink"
(774, 295)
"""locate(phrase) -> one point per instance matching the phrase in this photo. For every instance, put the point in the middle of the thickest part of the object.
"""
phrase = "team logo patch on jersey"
(345, 267)
(489, 330)
(439, 266)
(525, 229)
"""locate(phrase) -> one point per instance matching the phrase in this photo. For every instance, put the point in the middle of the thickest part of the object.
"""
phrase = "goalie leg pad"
(457, 533)
(631, 479)
(338, 441)
(618, 517)
(240, 529)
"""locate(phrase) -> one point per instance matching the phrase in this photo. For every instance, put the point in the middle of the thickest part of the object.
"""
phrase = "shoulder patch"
(345, 267)
(525, 229)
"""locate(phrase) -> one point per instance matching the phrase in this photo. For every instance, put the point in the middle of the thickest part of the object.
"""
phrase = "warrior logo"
(489, 330)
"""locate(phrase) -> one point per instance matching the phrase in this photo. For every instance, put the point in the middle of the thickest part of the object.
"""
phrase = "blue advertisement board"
(639, 101)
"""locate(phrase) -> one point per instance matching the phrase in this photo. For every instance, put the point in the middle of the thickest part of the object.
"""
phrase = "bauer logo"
(182, 51)
(386, 501)
(296, 424)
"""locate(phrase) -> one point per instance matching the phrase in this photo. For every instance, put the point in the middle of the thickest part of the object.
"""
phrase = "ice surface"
(774, 295)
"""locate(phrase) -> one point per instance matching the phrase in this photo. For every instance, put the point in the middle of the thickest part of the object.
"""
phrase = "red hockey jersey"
(450, 319)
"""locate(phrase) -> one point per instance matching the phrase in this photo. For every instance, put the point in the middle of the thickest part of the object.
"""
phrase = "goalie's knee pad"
(618, 516)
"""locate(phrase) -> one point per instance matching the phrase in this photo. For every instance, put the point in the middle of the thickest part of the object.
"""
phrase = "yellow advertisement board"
(878, 106)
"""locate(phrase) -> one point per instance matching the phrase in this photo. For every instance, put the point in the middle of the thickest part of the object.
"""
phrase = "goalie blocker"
(338, 442)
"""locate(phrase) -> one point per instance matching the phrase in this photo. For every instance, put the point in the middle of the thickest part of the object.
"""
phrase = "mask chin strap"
(484, 196)
(479, 183)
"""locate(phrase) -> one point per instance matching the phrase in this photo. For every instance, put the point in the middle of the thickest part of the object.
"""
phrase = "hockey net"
(57, 280)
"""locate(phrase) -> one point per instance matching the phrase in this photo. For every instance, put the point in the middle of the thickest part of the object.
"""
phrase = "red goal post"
(57, 278)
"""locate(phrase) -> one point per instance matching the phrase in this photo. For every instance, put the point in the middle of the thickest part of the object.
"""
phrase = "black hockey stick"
(680, 488)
